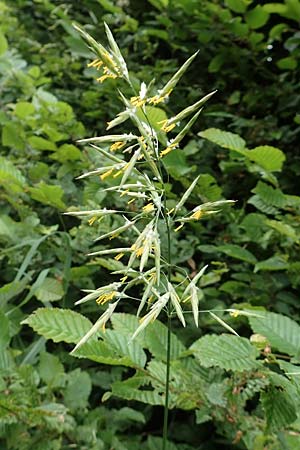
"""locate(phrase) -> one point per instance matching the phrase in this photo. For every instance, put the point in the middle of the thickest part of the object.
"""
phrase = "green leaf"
(272, 264)
(24, 109)
(235, 251)
(102, 352)
(156, 336)
(216, 63)
(257, 17)
(269, 158)
(225, 351)
(13, 136)
(270, 195)
(282, 332)
(3, 44)
(128, 390)
(60, 325)
(119, 342)
(279, 409)
(40, 143)
(51, 369)
(67, 152)
(78, 389)
(48, 195)
(50, 290)
(223, 138)
(288, 63)
(10, 177)
(11, 290)
(4, 331)
(238, 6)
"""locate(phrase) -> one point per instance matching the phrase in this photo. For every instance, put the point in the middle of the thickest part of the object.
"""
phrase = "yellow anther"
(119, 256)
(197, 215)
(106, 174)
(117, 145)
(92, 220)
(103, 298)
(178, 228)
(123, 279)
(148, 208)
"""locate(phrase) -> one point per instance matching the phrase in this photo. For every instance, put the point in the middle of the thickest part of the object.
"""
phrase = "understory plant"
(219, 377)
(134, 162)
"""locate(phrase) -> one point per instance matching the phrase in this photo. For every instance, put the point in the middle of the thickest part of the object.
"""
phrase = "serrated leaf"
(261, 205)
(48, 195)
(155, 341)
(50, 290)
(279, 409)
(235, 251)
(78, 389)
(282, 332)
(269, 158)
(225, 351)
(120, 343)
(224, 138)
(10, 177)
(51, 369)
(270, 195)
(60, 325)
(129, 391)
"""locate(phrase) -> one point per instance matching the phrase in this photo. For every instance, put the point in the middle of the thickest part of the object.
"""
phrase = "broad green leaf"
(223, 138)
(216, 63)
(24, 109)
(60, 325)
(261, 205)
(208, 188)
(129, 390)
(102, 352)
(50, 290)
(235, 251)
(288, 63)
(51, 369)
(271, 264)
(279, 409)
(156, 341)
(269, 158)
(67, 152)
(282, 332)
(10, 177)
(13, 136)
(154, 115)
(257, 17)
(48, 195)
(40, 143)
(270, 195)
(78, 389)
(154, 338)
(225, 351)
(238, 6)
(283, 228)
(121, 344)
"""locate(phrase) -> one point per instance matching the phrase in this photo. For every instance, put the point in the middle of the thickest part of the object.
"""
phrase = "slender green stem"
(169, 307)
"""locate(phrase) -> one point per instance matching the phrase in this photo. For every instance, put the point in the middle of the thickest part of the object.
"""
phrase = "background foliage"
(226, 392)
